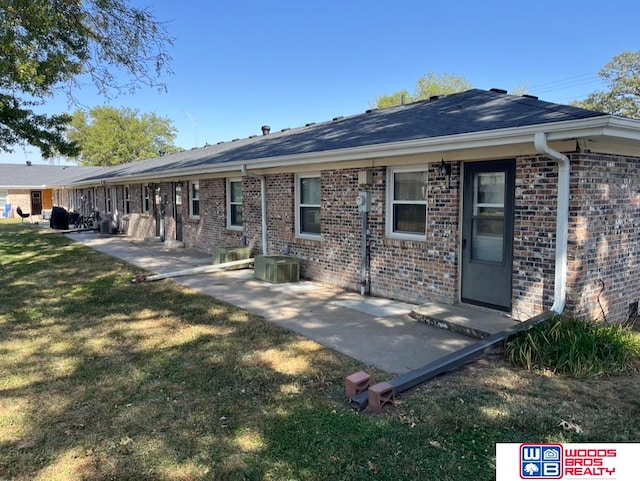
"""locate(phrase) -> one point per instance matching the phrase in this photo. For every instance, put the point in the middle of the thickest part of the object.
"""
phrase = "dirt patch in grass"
(101, 379)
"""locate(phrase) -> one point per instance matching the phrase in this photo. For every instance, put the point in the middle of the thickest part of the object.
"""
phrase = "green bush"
(576, 347)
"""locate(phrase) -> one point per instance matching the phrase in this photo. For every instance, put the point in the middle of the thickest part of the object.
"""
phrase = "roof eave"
(605, 125)
(29, 186)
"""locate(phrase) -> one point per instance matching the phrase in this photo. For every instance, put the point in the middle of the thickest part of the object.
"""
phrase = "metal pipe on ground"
(451, 361)
(194, 270)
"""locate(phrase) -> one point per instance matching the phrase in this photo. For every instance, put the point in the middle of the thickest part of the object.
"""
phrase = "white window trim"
(229, 225)
(108, 201)
(116, 211)
(390, 203)
(191, 199)
(146, 198)
(304, 235)
(127, 200)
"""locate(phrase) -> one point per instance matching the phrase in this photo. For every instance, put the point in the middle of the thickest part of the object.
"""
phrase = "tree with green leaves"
(622, 75)
(111, 136)
(50, 47)
(427, 86)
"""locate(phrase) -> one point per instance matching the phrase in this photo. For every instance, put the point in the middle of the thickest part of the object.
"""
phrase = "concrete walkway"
(378, 332)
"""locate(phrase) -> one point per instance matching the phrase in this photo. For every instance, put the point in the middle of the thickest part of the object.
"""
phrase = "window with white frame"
(127, 200)
(109, 199)
(308, 196)
(146, 199)
(407, 203)
(234, 204)
(194, 199)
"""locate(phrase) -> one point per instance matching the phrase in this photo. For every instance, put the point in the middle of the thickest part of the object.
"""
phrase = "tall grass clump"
(579, 348)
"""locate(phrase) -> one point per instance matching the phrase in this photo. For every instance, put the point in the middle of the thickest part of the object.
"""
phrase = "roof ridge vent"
(309, 124)
(285, 129)
(368, 111)
(340, 117)
(434, 97)
(498, 91)
(534, 97)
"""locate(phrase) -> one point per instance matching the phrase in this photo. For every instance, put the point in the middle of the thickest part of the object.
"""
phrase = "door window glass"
(487, 235)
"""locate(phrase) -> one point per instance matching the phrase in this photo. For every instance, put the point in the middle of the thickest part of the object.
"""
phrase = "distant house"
(499, 201)
(36, 188)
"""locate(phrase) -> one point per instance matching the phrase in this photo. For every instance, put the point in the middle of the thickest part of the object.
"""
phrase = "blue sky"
(244, 63)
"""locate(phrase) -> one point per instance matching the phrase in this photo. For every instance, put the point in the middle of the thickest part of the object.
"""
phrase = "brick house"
(483, 198)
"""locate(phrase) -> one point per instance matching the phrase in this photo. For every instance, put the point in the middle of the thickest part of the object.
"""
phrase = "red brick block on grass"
(380, 395)
(357, 383)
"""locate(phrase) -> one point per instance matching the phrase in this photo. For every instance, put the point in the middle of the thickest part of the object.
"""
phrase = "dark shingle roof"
(466, 112)
(36, 176)
(471, 111)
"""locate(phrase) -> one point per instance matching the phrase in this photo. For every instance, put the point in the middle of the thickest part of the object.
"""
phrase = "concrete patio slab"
(378, 332)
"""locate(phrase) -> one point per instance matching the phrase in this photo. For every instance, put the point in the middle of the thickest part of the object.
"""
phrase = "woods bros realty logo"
(569, 461)
(552, 461)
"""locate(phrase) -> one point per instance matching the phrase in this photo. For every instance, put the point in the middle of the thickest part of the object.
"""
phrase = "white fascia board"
(606, 126)
(622, 133)
(609, 126)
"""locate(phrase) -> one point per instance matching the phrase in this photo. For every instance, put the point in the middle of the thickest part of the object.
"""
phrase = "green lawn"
(102, 379)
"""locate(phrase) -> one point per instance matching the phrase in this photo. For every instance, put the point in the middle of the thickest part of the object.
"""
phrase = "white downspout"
(263, 192)
(562, 219)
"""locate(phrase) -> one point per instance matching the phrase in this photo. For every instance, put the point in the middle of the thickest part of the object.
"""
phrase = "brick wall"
(136, 223)
(22, 198)
(62, 198)
(604, 236)
(410, 271)
(604, 240)
(210, 229)
(19, 198)
(604, 244)
(418, 271)
(534, 236)
(280, 208)
(251, 215)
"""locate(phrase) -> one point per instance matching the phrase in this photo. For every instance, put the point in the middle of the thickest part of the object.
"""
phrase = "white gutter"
(263, 192)
(562, 220)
